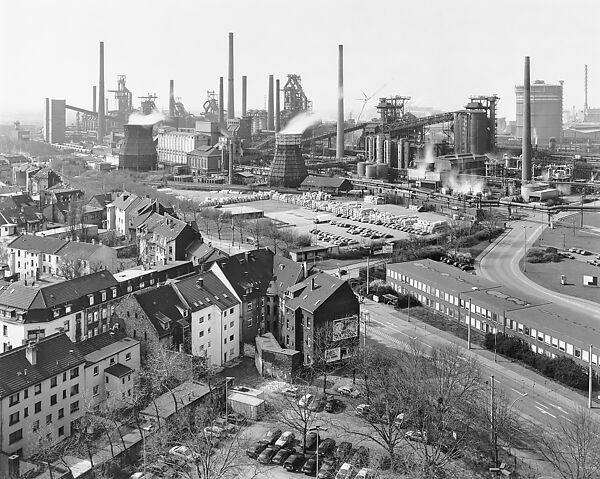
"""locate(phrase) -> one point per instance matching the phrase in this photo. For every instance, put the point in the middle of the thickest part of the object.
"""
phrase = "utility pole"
(368, 258)
(493, 423)
(590, 380)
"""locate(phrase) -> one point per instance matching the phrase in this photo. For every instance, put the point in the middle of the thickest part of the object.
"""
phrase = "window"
(112, 361)
(96, 371)
(208, 317)
(37, 389)
(61, 413)
(95, 391)
(114, 292)
(14, 418)
(91, 299)
(103, 293)
(208, 345)
(231, 324)
(74, 390)
(14, 399)
(5, 330)
(74, 407)
(53, 400)
(224, 327)
(35, 425)
(48, 419)
(231, 311)
(201, 334)
(67, 308)
(231, 338)
(224, 314)
(225, 341)
(208, 332)
(74, 373)
(127, 356)
(201, 319)
(25, 393)
(15, 436)
(106, 379)
(249, 306)
(38, 407)
(61, 431)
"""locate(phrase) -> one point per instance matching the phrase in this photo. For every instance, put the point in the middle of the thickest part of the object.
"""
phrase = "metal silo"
(382, 170)
(361, 168)
(478, 132)
(371, 170)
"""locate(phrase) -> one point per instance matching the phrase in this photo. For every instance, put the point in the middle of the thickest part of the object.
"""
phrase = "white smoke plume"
(301, 122)
(139, 119)
(464, 184)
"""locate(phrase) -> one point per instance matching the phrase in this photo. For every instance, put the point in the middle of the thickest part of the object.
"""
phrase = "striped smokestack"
(230, 96)
(526, 151)
(339, 153)
(244, 92)
(221, 99)
(270, 107)
(101, 101)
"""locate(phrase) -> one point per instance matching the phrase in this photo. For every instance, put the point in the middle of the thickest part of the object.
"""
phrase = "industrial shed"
(327, 184)
(250, 406)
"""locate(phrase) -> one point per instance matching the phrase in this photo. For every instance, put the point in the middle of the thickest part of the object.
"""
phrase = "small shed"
(250, 406)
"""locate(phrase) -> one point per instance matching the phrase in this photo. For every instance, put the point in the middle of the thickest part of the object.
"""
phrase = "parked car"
(214, 431)
(305, 400)
(318, 403)
(286, 438)
(294, 462)
(254, 451)
(348, 391)
(267, 454)
(282, 455)
(365, 473)
(342, 451)
(333, 405)
(310, 466)
(272, 436)
(347, 471)
(311, 440)
(326, 446)
(362, 409)
(327, 468)
(185, 453)
(417, 436)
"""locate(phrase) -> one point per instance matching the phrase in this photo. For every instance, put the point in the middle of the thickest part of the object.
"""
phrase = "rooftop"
(185, 394)
(206, 289)
(163, 306)
(37, 244)
(119, 370)
(104, 345)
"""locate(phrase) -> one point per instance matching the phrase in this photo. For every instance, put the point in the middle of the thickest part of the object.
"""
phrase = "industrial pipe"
(339, 153)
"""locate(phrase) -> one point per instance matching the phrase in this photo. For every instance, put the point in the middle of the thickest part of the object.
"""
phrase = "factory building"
(204, 160)
(55, 119)
(174, 145)
(546, 111)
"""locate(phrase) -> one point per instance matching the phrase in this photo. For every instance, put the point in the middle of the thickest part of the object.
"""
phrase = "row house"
(123, 213)
(80, 307)
(165, 238)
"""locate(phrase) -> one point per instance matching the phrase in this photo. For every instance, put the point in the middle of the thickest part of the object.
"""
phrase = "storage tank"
(361, 168)
(401, 164)
(382, 170)
(478, 132)
(379, 148)
(371, 170)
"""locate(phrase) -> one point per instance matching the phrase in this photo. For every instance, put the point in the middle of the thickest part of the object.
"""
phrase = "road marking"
(517, 391)
(541, 404)
(558, 407)
(543, 411)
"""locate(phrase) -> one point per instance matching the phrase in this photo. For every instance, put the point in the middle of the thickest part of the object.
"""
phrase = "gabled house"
(201, 253)
(165, 239)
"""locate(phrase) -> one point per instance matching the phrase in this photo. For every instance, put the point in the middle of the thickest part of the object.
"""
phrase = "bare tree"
(573, 449)
(297, 416)
(238, 224)
(272, 231)
(222, 222)
(490, 221)
(257, 228)
(70, 268)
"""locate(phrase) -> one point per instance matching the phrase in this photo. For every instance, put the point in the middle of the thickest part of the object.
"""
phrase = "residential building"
(80, 307)
(42, 387)
(20, 213)
(78, 258)
(488, 307)
(157, 317)
(201, 253)
(112, 365)
(320, 317)
(123, 214)
(42, 179)
(95, 211)
(141, 277)
(214, 319)
(60, 194)
(166, 239)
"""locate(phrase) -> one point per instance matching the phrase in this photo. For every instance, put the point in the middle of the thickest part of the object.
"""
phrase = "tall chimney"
(270, 116)
(585, 103)
(94, 94)
(230, 97)
(47, 122)
(526, 153)
(171, 98)
(101, 101)
(244, 87)
(339, 151)
(231, 156)
(277, 107)
(221, 108)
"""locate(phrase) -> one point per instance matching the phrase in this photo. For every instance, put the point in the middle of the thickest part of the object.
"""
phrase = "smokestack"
(94, 93)
(277, 107)
(339, 153)
(47, 122)
(585, 103)
(526, 153)
(171, 98)
(244, 87)
(101, 101)
(270, 116)
(221, 112)
(231, 156)
(230, 97)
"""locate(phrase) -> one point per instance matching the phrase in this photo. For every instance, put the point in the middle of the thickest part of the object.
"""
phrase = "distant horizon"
(437, 54)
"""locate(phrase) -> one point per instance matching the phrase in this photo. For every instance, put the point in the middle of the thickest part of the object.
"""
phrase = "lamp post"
(521, 396)
(318, 429)
(525, 249)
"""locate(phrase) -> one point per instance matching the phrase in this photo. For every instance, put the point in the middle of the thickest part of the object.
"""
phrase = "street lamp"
(318, 429)
(525, 248)
(521, 396)
(365, 317)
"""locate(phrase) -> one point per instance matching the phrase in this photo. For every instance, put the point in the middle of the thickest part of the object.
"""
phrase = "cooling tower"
(288, 168)
(138, 151)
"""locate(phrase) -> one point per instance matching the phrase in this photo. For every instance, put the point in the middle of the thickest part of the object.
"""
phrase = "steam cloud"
(300, 122)
(151, 119)
(464, 184)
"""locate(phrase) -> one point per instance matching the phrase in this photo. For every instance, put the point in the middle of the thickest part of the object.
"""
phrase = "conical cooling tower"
(288, 168)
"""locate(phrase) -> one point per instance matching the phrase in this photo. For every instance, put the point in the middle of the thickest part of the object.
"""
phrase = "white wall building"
(173, 146)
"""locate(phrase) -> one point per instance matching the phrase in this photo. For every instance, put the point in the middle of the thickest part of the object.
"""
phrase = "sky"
(437, 52)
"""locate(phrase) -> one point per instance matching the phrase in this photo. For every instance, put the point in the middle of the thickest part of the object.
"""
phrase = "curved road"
(501, 265)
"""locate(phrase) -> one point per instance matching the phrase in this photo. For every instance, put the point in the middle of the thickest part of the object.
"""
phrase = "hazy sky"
(438, 52)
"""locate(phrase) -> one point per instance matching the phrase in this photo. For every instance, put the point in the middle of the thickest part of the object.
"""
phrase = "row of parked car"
(458, 262)
(341, 462)
(362, 231)
(388, 223)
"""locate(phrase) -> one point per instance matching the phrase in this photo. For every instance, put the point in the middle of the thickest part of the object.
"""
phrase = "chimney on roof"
(312, 283)
(13, 467)
(31, 353)
(200, 282)
(304, 269)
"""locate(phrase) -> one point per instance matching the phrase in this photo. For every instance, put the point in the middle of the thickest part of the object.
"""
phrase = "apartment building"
(80, 307)
(214, 317)
(165, 238)
(42, 387)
